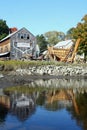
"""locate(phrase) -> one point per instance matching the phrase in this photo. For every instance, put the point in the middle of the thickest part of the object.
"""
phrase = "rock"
(1, 75)
(1, 67)
(54, 70)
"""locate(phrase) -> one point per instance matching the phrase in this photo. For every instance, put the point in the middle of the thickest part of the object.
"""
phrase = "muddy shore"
(8, 80)
(11, 80)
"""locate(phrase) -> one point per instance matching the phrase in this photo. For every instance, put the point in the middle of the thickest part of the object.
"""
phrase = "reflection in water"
(60, 83)
(58, 99)
(53, 95)
(22, 105)
(4, 107)
(3, 113)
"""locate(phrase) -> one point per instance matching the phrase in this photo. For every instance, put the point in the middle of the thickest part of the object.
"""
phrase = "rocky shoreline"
(22, 76)
(53, 70)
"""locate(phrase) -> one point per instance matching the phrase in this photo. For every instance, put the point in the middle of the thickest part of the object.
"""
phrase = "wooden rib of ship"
(63, 51)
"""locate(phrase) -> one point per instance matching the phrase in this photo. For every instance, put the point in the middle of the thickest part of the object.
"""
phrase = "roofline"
(8, 36)
(28, 31)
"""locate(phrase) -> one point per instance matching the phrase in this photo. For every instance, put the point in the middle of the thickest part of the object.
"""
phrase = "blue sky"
(41, 16)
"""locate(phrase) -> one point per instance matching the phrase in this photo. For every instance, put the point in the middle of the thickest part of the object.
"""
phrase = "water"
(55, 104)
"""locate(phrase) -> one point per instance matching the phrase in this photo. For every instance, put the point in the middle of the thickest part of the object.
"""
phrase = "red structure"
(11, 30)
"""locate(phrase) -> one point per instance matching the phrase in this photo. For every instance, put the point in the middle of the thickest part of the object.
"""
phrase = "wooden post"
(75, 50)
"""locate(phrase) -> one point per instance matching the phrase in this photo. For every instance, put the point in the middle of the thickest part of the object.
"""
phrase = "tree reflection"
(74, 102)
(81, 100)
(41, 98)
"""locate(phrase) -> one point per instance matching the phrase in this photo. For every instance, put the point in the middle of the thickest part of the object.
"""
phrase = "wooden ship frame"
(63, 54)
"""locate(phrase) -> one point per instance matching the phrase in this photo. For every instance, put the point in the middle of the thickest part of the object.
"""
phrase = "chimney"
(11, 30)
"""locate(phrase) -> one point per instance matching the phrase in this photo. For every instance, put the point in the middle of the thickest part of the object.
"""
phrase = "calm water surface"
(55, 104)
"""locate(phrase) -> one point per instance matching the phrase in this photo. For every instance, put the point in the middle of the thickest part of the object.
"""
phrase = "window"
(27, 36)
(6, 49)
(22, 36)
(1, 50)
(19, 35)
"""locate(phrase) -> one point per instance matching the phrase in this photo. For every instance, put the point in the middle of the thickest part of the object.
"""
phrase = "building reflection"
(22, 105)
(4, 107)
(5, 100)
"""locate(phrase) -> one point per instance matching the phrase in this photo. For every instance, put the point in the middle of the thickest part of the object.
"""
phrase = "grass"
(23, 89)
(11, 65)
(14, 64)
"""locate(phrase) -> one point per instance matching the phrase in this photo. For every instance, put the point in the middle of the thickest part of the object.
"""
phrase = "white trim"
(23, 52)
(23, 44)
(5, 53)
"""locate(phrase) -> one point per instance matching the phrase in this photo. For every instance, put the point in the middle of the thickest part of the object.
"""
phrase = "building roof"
(13, 34)
(8, 36)
(64, 44)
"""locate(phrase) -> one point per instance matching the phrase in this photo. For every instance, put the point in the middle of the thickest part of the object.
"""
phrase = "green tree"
(80, 32)
(53, 37)
(69, 34)
(4, 29)
(41, 41)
